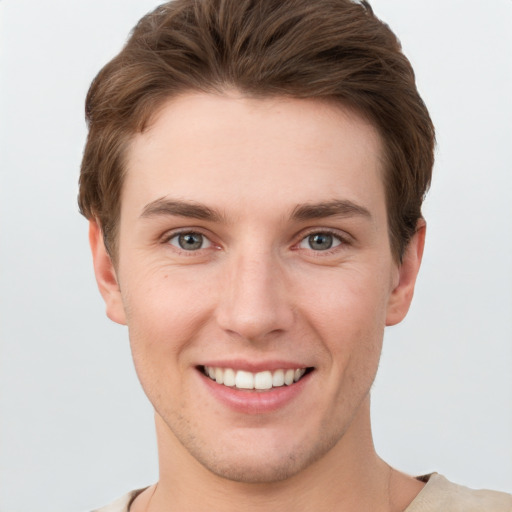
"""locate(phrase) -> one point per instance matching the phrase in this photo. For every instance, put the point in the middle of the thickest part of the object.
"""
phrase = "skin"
(257, 292)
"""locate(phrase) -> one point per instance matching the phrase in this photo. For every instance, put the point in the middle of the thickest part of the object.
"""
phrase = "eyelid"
(336, 241)
(205, 241)
(173, 233)
(344, 238)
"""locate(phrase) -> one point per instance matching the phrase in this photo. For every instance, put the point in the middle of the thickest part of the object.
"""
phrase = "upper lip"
(254, 366)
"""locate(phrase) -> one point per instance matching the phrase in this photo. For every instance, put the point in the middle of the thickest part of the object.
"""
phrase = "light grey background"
(76, 431)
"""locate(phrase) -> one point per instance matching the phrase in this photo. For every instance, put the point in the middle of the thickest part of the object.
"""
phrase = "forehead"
(249, 152)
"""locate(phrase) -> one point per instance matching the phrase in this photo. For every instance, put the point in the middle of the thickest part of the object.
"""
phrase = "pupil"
(191, 241)
(320, 241)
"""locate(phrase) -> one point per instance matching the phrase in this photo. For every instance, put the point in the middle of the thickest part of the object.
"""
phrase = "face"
(256, 277)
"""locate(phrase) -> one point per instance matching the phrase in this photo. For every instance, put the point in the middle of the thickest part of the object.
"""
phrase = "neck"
(350, 477)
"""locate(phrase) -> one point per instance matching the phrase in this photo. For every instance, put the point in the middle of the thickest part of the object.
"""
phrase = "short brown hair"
(335, 50)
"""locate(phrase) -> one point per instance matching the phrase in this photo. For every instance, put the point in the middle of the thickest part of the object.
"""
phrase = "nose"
(254, 300)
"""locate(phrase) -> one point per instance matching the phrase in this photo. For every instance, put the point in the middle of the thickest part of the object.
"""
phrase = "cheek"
(160, 330)
(164, 315)
(164, 297)
(346, 300)
(349, 316)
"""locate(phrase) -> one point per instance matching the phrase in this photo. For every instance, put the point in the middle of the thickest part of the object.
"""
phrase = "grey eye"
(190, 241)
(320, 241)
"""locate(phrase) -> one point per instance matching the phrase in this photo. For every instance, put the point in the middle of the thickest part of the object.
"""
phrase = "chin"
(254, 472)
(262, 466)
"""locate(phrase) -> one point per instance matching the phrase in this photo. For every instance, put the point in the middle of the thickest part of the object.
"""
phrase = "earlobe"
(401, 296)
(105, 275)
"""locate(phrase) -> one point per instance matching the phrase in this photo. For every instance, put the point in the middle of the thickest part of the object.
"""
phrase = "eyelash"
(342, 241)
(175, 234)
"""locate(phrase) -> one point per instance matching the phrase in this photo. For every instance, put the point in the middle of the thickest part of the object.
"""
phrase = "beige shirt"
(438, 495)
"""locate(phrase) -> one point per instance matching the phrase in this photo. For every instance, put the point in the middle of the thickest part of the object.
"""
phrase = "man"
(253, 177)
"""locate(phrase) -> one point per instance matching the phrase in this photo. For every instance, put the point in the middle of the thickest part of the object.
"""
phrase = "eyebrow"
(165, 206)
(337, 208)
(174, 207)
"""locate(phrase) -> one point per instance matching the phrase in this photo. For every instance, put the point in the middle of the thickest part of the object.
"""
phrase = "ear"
(401, 296)
(106, 275)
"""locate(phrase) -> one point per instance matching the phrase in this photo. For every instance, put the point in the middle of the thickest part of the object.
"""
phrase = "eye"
(190, 241)
(321, 241)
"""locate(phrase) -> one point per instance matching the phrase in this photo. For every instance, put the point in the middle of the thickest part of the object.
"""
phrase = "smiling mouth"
(260, 381)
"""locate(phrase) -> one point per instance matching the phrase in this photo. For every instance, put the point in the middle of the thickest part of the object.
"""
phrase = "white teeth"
(219, 375)
(278, 378)
(247, 380)
(229, 377)
(263, 380)
(244, 380)
(298, 374)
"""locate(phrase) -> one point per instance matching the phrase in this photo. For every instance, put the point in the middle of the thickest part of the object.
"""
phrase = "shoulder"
(439, 494)
(122, 504)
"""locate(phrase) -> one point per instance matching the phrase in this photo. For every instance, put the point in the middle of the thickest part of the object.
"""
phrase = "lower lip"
(252, 401)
